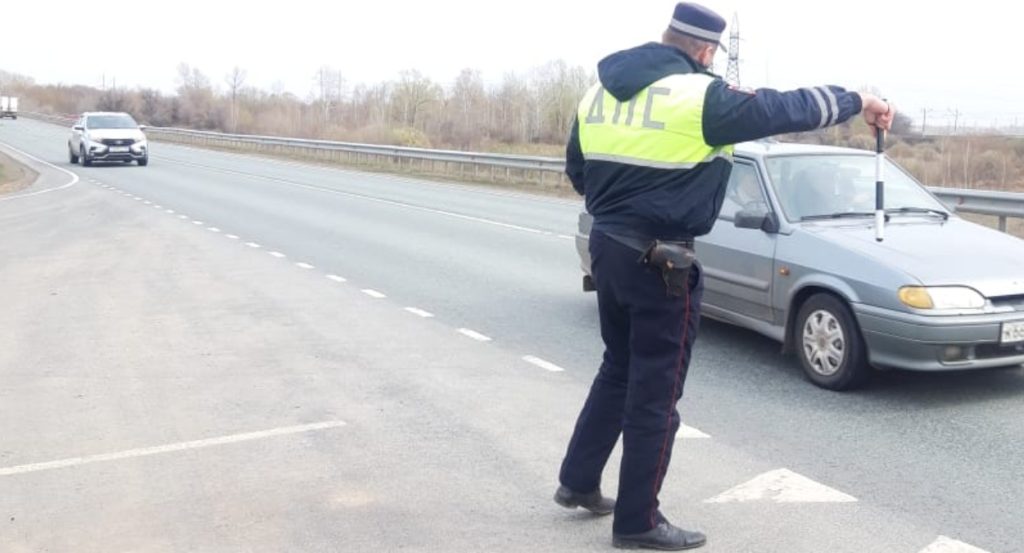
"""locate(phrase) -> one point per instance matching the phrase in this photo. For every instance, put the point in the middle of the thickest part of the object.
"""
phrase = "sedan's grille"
(996, 351)
(118, 142)
(1014, 302)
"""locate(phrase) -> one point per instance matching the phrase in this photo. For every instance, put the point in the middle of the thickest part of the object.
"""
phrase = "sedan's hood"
(116, 134)
(955, 252)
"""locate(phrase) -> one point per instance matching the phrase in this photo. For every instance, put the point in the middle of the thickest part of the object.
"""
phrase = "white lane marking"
(391, 178)
(419, 312)
(566, 237)
(169, 211)
(949, 545)
(232, 236)
(336, 278)
(180, 446)
(147, 202)
(278, 255)
(690, 433)
(158, 206)
(183, 217)
(74, 177)
(546, 365)
(782, 486)
(474, 335)
(374, 294)
(306, 266)
(253, 245)
(198, 223)
(377, 200)
(213, 229)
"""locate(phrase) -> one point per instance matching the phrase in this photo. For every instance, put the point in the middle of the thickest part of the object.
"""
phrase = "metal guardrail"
(983, 202)
(1002, 205)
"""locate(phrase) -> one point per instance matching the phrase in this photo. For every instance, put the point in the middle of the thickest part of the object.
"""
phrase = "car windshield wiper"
(837, 215)
(928, 210)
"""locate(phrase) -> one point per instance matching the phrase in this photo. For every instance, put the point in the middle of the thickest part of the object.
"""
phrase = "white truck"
(9, 107)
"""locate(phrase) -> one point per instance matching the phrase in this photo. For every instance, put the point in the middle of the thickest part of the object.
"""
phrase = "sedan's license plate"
(119, 149)
(1013, 333)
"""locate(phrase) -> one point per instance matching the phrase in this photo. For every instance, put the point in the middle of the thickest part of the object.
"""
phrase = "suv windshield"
(111, 122)
(820, 186)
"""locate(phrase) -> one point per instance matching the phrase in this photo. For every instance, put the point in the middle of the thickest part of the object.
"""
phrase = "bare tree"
(412, 93)
(235, 81)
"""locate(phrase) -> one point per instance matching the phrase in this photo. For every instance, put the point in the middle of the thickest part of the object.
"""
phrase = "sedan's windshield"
(111, 122)
(822, 186)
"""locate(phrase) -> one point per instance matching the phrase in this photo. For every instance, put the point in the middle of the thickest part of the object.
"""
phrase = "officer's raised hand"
(878, 113)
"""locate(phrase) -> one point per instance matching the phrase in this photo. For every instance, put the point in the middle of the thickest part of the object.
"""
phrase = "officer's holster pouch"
(674, 260)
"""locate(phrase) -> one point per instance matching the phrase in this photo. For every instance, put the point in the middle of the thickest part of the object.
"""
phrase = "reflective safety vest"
(660, 127)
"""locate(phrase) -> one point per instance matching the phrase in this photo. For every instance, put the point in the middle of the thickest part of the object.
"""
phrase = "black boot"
(593, 501)
(664, 536)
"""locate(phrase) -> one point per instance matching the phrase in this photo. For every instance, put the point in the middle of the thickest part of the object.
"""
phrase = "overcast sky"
(920, 54)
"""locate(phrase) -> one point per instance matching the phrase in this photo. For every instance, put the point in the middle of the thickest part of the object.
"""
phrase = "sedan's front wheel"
(829, 344)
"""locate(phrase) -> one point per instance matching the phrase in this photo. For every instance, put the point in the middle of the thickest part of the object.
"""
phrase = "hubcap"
(824, 343)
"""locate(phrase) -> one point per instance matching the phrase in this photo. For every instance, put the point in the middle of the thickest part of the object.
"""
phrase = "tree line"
(535, 107)
(526, 113)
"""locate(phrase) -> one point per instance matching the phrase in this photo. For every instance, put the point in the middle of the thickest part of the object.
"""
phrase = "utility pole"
(956, 118)
(924, 120)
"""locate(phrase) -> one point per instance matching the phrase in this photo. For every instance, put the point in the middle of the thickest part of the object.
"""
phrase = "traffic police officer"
(651, 151)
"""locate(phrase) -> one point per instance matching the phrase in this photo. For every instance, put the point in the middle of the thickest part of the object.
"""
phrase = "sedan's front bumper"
(106, 153)
(937, 343)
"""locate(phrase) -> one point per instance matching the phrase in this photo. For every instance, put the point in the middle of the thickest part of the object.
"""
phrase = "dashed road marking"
(278, 255)
(180, 446)
(782, 486)
(419, 312)
(336, 278)
(200, 223)
(306, 266)
(690, 433)
(949, 545)
(183, 217)
(474, 335)
(169, 211)
(213, 229)
(374, 294)
(253, 245)
(233, 236)
(546, 365)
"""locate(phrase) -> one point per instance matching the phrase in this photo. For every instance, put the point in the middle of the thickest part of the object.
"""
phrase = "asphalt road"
(195, 355)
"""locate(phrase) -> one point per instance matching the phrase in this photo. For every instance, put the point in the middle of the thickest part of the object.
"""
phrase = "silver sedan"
(793, 256)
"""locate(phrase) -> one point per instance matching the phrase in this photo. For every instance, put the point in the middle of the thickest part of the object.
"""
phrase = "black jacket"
(644, 202)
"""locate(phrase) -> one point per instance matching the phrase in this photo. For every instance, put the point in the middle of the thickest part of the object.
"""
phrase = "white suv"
(105, 136)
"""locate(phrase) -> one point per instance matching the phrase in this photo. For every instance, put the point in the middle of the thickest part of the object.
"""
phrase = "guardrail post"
(1002, 223)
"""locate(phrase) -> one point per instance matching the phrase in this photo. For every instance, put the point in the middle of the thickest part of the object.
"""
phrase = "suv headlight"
(941, 297)
(96, 141)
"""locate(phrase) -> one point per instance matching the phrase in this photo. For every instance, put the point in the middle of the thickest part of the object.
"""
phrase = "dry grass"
(13, 175)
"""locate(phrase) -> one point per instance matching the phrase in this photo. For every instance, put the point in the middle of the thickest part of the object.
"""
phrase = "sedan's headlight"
(96, 141)
(941, 297)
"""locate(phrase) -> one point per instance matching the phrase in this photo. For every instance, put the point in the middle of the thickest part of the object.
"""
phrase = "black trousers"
(648, 336)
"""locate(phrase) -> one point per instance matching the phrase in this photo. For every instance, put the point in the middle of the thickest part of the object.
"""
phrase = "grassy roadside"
(13, 175)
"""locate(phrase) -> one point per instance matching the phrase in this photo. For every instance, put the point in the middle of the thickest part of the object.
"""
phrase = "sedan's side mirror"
(756, 220)
(78, 128)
